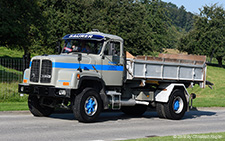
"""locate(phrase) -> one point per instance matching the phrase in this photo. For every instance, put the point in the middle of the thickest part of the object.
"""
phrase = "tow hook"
(193, 96)
(210, 84)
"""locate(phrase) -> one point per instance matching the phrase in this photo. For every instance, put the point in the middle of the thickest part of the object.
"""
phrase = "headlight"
(62, 92)
(22, 89)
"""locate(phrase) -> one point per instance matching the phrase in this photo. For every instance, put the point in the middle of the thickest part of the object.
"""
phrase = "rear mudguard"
(164, 91)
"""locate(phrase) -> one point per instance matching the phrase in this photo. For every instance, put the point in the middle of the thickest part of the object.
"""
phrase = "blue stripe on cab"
(65, 65)
(87, 66)
(64, 81)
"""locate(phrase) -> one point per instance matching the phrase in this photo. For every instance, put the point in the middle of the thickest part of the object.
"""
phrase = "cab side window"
(112, 48)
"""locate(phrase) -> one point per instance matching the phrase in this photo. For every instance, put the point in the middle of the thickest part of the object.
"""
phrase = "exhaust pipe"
(133, 102)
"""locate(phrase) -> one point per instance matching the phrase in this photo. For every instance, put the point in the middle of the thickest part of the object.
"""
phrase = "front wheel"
(87, 105)
(36, 108)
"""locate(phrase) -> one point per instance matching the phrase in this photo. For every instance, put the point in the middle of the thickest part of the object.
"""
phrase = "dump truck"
(92, 72)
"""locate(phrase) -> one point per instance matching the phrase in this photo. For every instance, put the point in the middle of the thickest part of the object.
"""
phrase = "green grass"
(9, 80)
(10, 99)
(5, 52)
(13, 106)
(193, 137)
(9, 93)
(211, 97)
(10, 75)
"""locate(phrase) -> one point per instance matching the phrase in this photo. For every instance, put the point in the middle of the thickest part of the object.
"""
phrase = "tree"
(181, 23)
(179, 16)
(208, 36)
(19, 22)
(142, 25)
(35, 26)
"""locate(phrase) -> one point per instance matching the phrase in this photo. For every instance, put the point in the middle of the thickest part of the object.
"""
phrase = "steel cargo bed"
(168, 67)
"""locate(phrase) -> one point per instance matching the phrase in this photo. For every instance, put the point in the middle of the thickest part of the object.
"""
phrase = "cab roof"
(94, 35)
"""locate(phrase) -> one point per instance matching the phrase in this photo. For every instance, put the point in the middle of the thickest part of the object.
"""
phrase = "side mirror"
(79, 57)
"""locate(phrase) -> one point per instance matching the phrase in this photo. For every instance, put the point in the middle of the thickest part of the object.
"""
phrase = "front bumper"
(41, 90)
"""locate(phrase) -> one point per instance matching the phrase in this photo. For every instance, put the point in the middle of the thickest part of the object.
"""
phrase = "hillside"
(4, 52)
(211, 97)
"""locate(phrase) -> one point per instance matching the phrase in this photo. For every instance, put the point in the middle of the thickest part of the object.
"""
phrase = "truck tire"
(160, 110)
(136, 110)
(176, 106)
(87, 105)
(36, 109)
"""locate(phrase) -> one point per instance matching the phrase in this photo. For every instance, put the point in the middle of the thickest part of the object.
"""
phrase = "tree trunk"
(220, 61)
(212, 55)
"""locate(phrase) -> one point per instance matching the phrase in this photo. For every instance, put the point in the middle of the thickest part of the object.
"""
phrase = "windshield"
(82, 46)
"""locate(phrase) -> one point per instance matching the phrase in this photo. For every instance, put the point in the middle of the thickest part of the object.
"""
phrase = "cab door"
(112, 63)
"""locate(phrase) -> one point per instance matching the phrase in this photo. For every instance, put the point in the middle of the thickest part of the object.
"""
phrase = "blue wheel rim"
(178, 105)
(90, 106)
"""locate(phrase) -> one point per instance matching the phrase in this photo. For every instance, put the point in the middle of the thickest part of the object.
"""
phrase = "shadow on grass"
(215, 65)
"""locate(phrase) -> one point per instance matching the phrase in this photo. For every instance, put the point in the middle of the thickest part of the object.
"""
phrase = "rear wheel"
(176, 106)
(136, 110)
(87, 105)
(36, 108)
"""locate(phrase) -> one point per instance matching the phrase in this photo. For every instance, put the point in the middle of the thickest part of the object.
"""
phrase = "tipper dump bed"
(168, 67)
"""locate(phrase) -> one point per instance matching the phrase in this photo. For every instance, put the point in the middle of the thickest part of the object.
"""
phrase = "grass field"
(10, 100)
(4, 52)
(13, 106)
(9, 85)
(211, 97)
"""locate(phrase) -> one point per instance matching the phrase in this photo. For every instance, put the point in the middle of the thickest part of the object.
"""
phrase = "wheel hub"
(90, 106)
(178, 105)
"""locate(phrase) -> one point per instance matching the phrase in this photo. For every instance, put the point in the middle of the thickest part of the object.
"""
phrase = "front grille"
(35, 69)
(46, 71)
